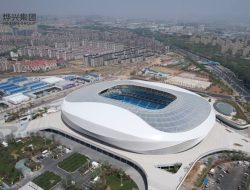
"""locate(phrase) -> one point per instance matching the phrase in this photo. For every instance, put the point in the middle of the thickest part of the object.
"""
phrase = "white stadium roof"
(179, 125)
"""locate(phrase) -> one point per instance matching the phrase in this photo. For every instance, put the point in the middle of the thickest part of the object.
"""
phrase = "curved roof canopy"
(181, 110)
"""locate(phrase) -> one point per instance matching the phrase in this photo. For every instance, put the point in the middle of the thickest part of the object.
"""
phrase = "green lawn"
(73, 162)
(7, 167)
(47, 180)
(17, 151)
(114, 181)
(111, 177)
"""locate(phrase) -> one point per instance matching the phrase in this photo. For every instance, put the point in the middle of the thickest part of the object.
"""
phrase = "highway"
(220, 72)
(230, 77)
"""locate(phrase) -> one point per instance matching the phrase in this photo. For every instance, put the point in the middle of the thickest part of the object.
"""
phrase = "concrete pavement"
(220, 138)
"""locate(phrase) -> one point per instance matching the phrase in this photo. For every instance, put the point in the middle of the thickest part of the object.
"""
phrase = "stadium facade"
(139, 116)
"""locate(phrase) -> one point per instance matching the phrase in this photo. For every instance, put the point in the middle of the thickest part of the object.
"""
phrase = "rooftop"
(186, 112)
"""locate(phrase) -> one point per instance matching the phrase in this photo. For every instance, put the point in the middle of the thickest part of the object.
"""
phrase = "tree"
(10, 138)
(210, 160)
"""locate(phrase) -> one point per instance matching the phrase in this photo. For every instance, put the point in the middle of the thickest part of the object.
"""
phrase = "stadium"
(139, 116)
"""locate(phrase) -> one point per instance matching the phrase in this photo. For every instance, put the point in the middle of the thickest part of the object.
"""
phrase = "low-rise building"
(34, 65)
(16, 98)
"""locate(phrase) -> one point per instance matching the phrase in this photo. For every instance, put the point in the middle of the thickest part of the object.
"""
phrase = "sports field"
(73, 162)
(47, 180)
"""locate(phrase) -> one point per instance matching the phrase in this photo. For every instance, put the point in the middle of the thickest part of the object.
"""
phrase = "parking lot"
(229, 176)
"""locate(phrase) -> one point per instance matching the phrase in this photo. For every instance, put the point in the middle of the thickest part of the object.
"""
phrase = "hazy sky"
(162, 9)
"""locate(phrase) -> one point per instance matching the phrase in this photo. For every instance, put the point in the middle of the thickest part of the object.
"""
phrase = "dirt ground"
(217, 89)
(202, 75)
(172, 71)
(192, 176)
(121, 71)
(156, 61)
(73, 69)
(76, 62)
(61, 71)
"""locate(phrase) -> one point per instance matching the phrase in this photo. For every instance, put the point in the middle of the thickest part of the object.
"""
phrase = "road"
(51, 165)
(219, 71)
(230, 77)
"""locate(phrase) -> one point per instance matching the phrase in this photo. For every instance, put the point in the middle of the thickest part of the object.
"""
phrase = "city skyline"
(193, 10)
(121, 95)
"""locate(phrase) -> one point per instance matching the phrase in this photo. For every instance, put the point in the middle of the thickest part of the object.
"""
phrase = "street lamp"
(88, 163)
(121, 178)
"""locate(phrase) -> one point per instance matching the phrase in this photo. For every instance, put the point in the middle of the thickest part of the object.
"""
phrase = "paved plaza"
(220, 138)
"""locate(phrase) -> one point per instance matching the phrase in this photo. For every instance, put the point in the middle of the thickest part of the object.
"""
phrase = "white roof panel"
(52, 80)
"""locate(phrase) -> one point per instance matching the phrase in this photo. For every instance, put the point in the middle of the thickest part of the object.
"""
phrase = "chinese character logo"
(18, 18)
